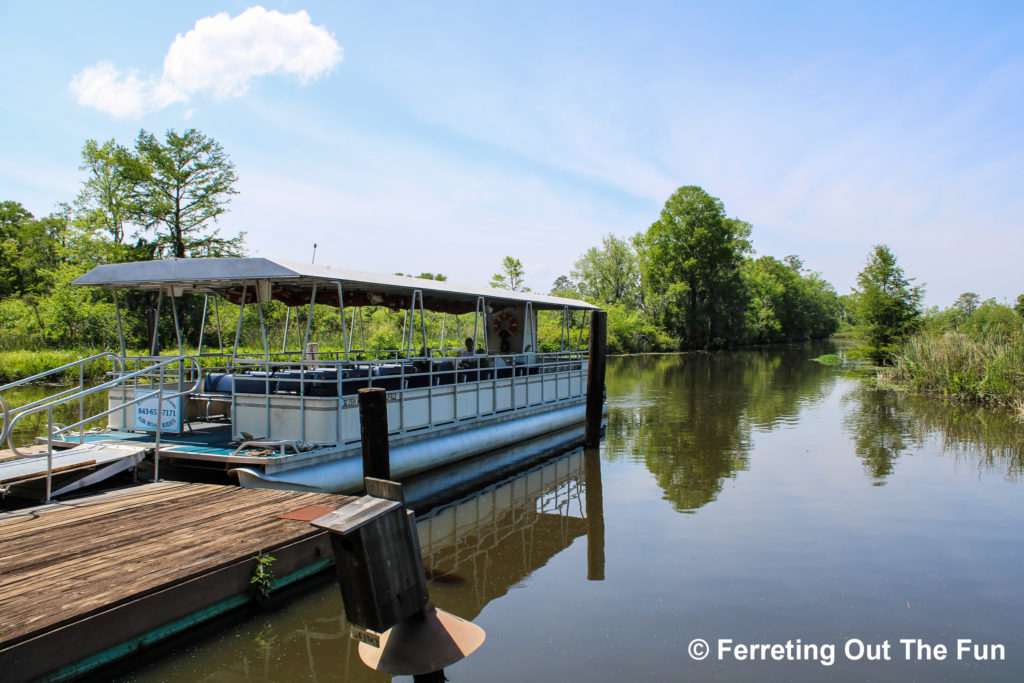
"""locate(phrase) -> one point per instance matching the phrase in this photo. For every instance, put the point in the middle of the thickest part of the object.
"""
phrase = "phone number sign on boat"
(146, 413)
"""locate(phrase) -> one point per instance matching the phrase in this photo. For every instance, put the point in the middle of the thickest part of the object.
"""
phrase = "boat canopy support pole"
(238, 329)
(528, 329)
(309, 320)
(177, 326)
(478, 317)
(202, 325)
(341, 309)
(263, 324)
(406, 328)
(444, 319)
(120, 328)
(156, 324)
(563, 340)
(287, 320)
(216, 312)
(423, 320)
(352, 326)
(417, 295)
(362, 332)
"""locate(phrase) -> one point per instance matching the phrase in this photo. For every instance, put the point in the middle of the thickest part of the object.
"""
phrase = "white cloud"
(221, 55)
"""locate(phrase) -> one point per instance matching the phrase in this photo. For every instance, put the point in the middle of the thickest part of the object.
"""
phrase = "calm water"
(753, 496)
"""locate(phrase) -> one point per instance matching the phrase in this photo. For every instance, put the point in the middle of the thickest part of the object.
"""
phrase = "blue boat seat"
(388, 377)
(444, 372)
(354, 379)
(254, 382)
(218, 383)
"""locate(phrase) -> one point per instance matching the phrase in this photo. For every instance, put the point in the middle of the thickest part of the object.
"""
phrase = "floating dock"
(88, 581)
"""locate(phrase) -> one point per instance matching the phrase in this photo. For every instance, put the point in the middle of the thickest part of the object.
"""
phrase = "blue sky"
(442, 136)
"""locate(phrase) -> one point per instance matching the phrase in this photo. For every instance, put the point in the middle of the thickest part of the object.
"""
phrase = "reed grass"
(984, 369)
(15, 365)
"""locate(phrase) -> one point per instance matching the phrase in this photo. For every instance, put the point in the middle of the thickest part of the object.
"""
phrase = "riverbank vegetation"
(972, 351)
(689, 281)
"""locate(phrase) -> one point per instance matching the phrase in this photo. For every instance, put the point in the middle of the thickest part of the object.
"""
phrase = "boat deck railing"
(303, 381)
(155, 375)
(72, 393)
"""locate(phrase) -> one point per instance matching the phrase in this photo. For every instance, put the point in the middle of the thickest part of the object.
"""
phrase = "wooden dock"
(85, 582)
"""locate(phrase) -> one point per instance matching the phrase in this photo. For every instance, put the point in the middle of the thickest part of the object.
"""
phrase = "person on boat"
(468, 354)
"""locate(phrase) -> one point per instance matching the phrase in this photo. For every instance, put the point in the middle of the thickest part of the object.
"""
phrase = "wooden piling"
(595, 378)
(373, 429)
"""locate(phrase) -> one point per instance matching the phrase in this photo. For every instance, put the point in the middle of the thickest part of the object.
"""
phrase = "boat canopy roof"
(294, 283)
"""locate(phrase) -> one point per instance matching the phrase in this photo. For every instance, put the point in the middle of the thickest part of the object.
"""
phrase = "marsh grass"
(984, 369)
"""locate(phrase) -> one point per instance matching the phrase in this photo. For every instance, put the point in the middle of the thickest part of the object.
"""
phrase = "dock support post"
(373, 428)
(595, 378)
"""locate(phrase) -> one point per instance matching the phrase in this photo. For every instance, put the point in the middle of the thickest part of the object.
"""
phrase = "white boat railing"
(426, 391)
(155, 373)
(10, 415)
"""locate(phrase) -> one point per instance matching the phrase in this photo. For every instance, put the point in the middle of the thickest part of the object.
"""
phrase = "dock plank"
(65, 561)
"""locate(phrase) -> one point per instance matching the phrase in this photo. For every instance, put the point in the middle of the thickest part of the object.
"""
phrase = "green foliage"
(15, 365)
(609, 274)
(966, 304)
(1018, 307)
(263, 575)
(187, 185)
(630, 331)
(111, 194)
(988, 369)
(690, 260)
(511, 276)
(887, 305)
(786, 304)
(564, 287)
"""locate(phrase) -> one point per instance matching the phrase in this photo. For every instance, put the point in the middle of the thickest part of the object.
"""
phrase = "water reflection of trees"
(688, 417)
(884, 424)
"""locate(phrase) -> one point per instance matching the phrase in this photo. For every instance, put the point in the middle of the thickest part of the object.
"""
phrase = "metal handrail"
(40, 406)
(8, 424)
(7, 418)
(51, 432)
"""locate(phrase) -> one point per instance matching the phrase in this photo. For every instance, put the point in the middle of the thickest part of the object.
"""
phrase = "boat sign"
(146, 413)
(364, 635)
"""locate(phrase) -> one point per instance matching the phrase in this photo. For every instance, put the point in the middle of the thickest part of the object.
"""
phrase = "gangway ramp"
(84, 464)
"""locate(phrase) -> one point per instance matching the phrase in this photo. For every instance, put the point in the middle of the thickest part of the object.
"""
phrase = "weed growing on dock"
(263, 575)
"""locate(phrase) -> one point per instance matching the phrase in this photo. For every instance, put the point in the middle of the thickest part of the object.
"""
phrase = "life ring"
(505, 324)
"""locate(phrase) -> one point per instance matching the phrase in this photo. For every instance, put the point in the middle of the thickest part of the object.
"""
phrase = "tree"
(1019, 306)
(690, 260)
(786, 304)
(564, 287)
(888, 306)
(966, 304)
(188, 184)
(110, 195)
(29, 249)
(13, 217)
(511, 277)
(609, 274)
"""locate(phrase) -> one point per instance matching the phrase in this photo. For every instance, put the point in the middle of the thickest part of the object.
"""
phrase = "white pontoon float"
(290, 419)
